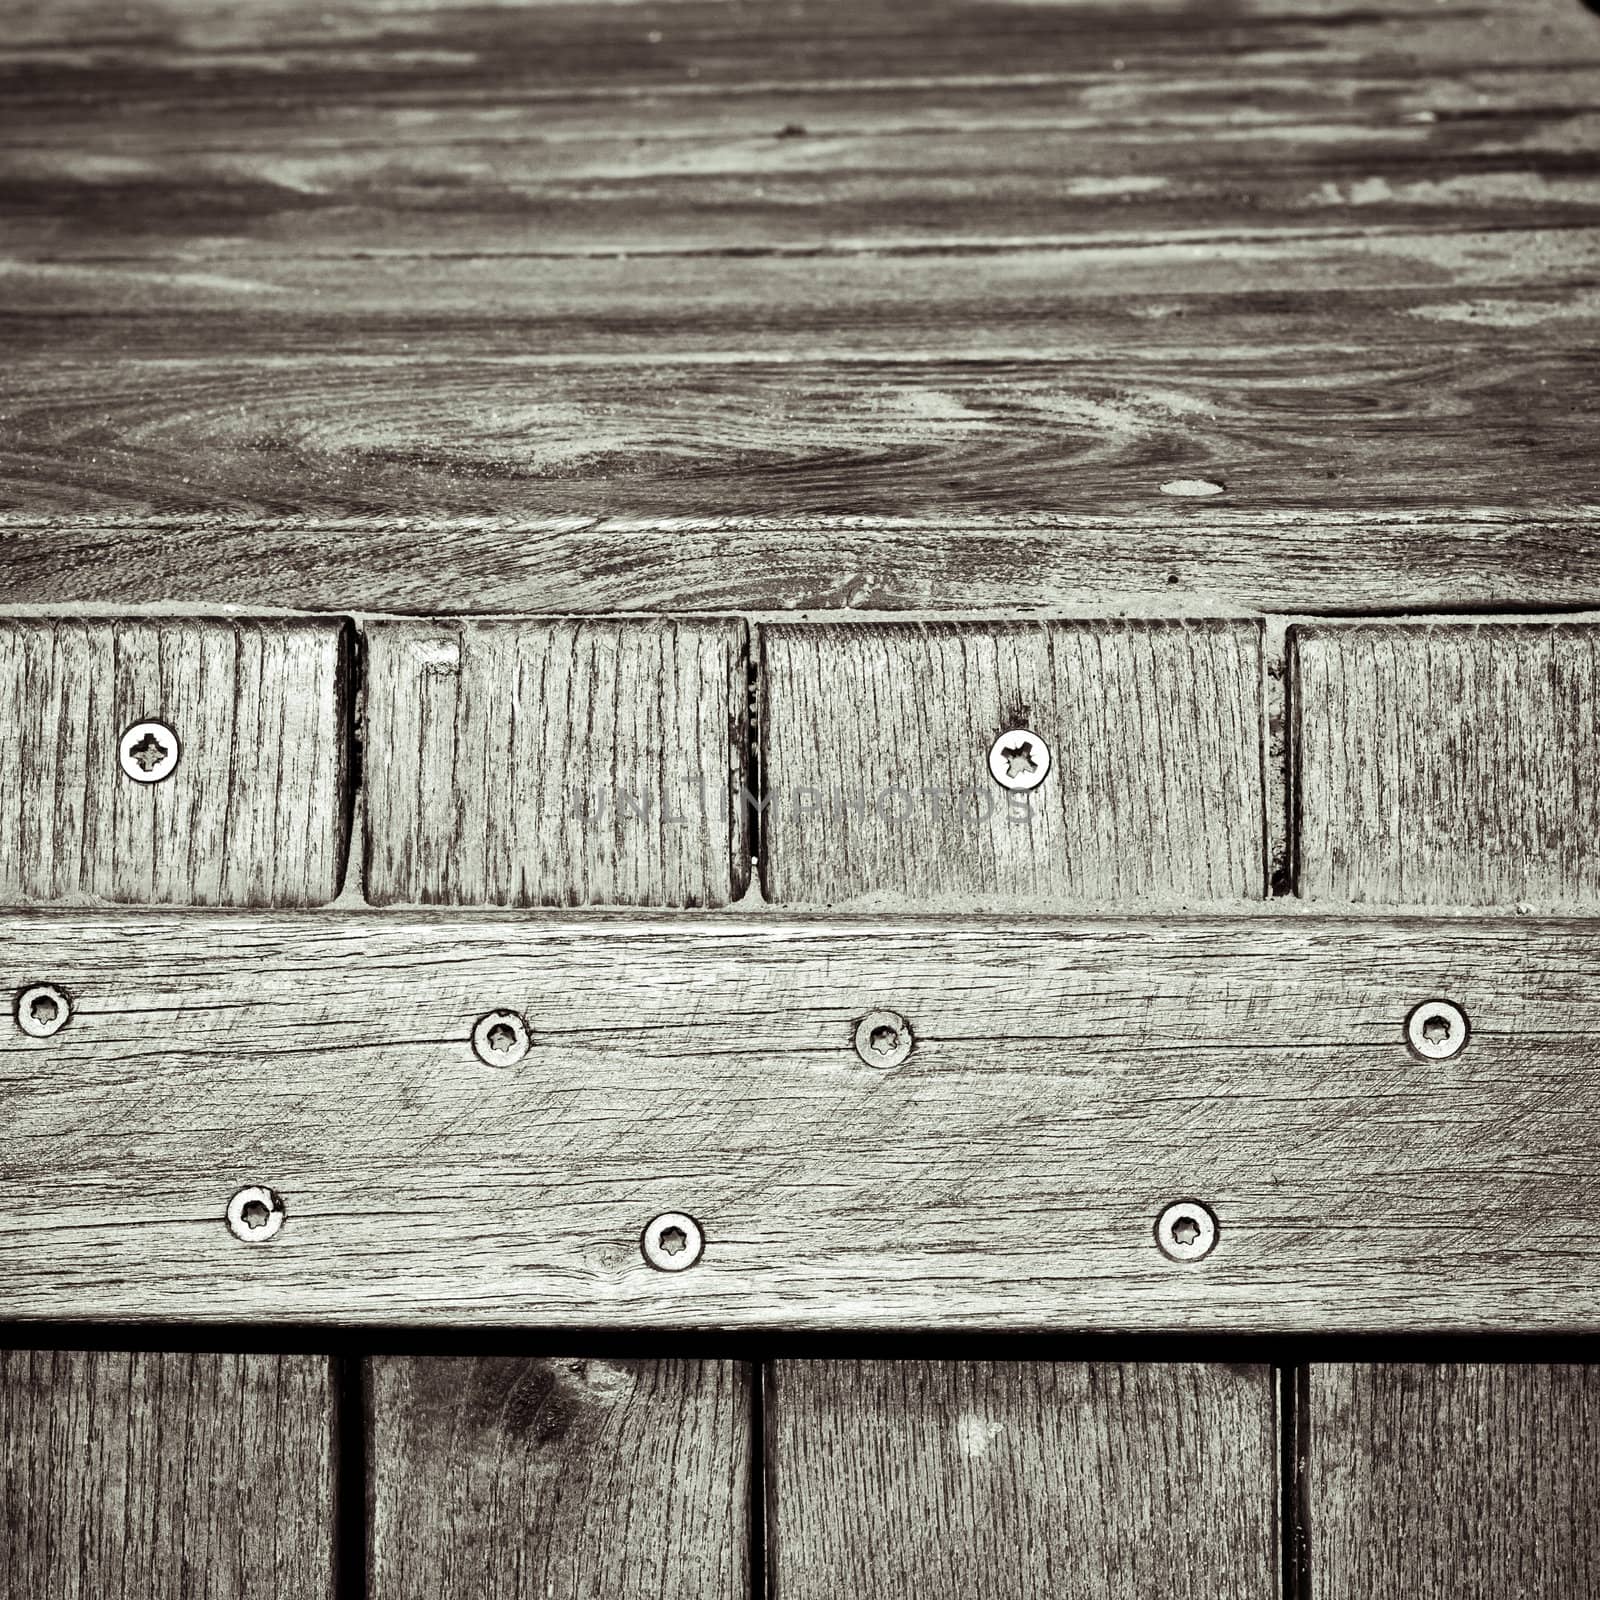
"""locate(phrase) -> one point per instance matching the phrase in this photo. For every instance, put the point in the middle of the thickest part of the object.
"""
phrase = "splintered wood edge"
(1069, 1082)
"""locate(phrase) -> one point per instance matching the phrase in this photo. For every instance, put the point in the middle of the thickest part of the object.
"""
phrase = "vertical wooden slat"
(165, 1476)
(977, 1479)
(556, 762)
(1448, 764)
(255, 812)
(876, 741)
(1454, 1482)
(515, 1478)
(982, 1480)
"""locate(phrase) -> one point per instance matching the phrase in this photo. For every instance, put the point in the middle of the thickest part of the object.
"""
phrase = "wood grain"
(1454, 1482)
(1184, 559)
(1448, 763)
(256, 811)
(594, 129)
(569, 276)
(1069, 1080)
(158, 1477)
(518, 1478)
(962, 1480)
(875, 746)
(556, 763)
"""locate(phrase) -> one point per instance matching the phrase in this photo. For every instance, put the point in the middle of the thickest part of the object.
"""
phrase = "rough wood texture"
(1448, 764)
(256, 812)
(966, 1480)
(162, 1477)
(1068, 1081)
(1189, 558)
(514, 1478)
(556, 763)
(1450, 1482)
(875, 748)
(549, 280)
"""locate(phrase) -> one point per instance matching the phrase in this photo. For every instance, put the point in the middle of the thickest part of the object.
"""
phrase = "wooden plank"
(556, 762)
(255, 811)
(980, 1478)
(516, 1478)
(162, 1476)
(1454, 1482)
(1068, 1081)
(1032, 262)
(1182, 559)
(1448, 763)
(875, 750)
(368, 418)
(677, 127)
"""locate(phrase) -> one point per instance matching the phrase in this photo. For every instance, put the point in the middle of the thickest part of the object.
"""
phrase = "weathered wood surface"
(256, 811)
(518, 1478)
(1448, 763)
(160, 1477)
(966, 1480)
(875, 752)
(1069, 1080)
(552, 280)
(1188, 558)
(556, 763)
(1454, 1482)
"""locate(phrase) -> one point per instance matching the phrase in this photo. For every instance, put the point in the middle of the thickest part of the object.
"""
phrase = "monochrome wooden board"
(1065, 1083)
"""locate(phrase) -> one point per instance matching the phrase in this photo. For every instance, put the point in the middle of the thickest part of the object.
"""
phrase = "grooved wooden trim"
(556, 762)
(1068, 1080)
(256, 811)
(1449, 1481)
(1448, 763)
(876, 740)
(150, 1476)
(518, 1478)
(984, 1480)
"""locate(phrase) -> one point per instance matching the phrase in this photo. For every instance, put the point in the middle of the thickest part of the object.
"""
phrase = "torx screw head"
(883, 1038)
(1186, 1231)
(1437, 1030)
(672, 1242)
(1019, 760)
(42, 1010)
(255, 1213)
(500, 1039)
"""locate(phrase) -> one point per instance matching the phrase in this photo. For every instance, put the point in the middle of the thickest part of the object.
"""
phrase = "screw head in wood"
(1437, 1030)
(255, 1214)
(42, 1010)
(672, 1242)
(1186, 1231)
(883, 1038)
(148, 751)
(500, 1039)
(1019, 759)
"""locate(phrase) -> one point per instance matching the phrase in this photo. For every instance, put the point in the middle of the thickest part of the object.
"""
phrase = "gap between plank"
(350, 1457)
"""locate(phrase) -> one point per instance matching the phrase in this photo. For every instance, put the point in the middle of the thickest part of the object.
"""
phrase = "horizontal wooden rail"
(1066, 1082)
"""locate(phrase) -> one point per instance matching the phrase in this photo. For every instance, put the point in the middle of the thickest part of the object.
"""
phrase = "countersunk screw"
(1019, 759)
(672, 1242)
(148, 751)
(1186, 1231)
(43, 1010)
(883, 1038)
(1437, 1030)
(500, 1039)
(255, 1214)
